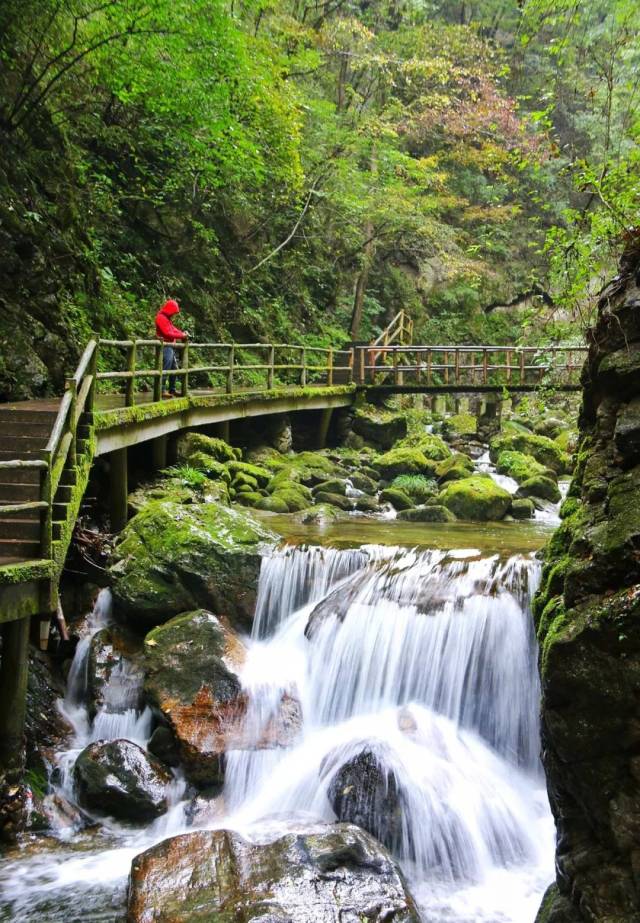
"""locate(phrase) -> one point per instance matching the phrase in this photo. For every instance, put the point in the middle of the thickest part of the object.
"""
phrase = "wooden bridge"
(114, 401)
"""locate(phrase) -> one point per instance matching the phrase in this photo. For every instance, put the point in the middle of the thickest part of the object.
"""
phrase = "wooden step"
(11, 427)
(22, 415)
(23, 549)
(20, 529)
(59, 511)
(11, 454)
(20, 475)
(19, 493)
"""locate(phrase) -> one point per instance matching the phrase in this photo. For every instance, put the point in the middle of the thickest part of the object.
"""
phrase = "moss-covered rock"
(398, 499)
(331, 486)
(174, 557)
(363, 482)
(260, 475)
(434, 513)
(244, 482)
(318, 515)
(297, 497)
(458, 425)
(454, 468)
(213, 469)
(544, 450)
(475, 498)
(432, 446)
(221, 451)
(541, 487)
(342, 503)
(272, 504)
(366, 504)
(522, 508)
(521, 467)
(404, 461)
(382, 427)
(252, 499)
(416, 486)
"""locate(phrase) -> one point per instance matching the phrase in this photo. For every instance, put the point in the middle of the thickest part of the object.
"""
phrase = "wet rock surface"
(192, 664)
(119, 779)
(174, 557)
(327, 874)
(588, 622)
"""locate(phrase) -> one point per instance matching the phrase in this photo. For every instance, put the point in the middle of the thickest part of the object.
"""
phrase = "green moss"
(260, 475)
(244, 482)
(208, 465)
(398, 499)
(454, 468)
(415, 486)
(296, 497)
(432, 447)
(26, 572)
(522, 509)
(543, 449)
(460, 424)
(542, 487)
(433, 513)
(404, 461)
(476, 498)
(519, 466)
(334, 500)
(332, 486)
(191, 443)
(252, 498)
(273, 504)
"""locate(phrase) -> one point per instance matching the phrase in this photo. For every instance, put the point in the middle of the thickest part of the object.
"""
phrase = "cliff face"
(588, 622)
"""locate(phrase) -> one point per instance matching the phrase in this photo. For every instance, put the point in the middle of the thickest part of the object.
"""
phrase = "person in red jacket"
(169, 333)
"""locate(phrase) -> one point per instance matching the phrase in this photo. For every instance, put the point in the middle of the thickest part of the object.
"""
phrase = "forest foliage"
(293, 168)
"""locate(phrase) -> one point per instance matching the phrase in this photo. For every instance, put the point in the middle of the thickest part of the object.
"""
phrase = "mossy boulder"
(173, 557)
(297, 497)
(318, 515)
(190, 443)
(215, 470)
(416, 486)
(398, 499)
(522, 508)
(476, 498)
(363, 482)
(459, 424)
(244, 482)
(332, 486)
(521, 467)
(239, 470)
(382, 427)
(265, 456)
(435, 513)
(404, 461)
(342, 503)
(541, 487)
(366, 504)
(272, 504)
(432, 446)
(544, 450)
(454, 468)
(251, 498)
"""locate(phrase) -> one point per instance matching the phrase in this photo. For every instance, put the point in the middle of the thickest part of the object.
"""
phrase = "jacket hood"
(170, 308)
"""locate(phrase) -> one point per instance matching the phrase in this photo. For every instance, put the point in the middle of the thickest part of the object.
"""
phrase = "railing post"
(271, 370)
(485, 367)
(446, 367)
(522, 369)
(509, 355)
(93, 371)
(46, 520)
(230, 372)
(129, 399)
(157, 381)
(330, 367)
(73, 389)
(361, 365)
(429, 366)
(457, 366)
(395, 367)
(185, 366)
(472, 369)
(303, 370)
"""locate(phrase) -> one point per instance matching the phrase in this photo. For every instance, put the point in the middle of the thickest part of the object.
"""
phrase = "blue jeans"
(169, 362)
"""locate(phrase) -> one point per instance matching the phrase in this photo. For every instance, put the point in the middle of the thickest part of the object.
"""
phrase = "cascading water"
(425, 661)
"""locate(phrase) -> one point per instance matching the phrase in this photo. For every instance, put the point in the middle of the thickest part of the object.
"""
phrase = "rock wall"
(588, 623)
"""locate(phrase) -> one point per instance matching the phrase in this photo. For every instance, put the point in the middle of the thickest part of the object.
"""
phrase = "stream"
(419, 646)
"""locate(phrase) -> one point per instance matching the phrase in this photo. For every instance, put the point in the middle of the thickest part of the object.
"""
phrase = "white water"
(424, 657)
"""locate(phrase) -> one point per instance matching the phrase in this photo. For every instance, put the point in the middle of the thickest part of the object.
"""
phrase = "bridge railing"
(225, 367)
(469, 366)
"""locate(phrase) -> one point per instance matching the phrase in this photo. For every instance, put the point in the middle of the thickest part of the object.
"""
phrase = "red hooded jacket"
(165, 330)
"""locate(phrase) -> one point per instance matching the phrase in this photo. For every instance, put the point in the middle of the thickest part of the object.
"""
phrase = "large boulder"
(454, 468)
(544, 450)
(398, 499)
(475, 498)
(364, 791)
(192, 664)
(416, 486)
(521, 467)
(405, 461)
(326, 874)
(541, 487)
(118, 778)
(433, 513)
(191, 443)
(173, 557)
(382, 427)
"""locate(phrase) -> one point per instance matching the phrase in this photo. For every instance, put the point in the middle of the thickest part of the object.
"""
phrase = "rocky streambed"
(265, 730)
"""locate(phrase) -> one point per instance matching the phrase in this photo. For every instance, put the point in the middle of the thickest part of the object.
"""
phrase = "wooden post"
(509, 355)
(14, 671)
(91, 396)
(303, 370)
(159, 453)
(429, 366)
(271, 370)
(395, 366)
(119, 489)
(361, 364)
(330, 368)
(130, 387)
(485, 368)
(522, 371)
(157, 381)
(323, 429)
(457, 366)
(46, 516)
(230, 372)
(224, 430)
(185, 366)
(446, 367)
(72, 387)
(472, 369)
